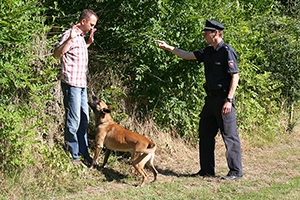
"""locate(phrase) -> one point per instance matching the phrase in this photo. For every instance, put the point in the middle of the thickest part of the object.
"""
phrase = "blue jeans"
(77, 120)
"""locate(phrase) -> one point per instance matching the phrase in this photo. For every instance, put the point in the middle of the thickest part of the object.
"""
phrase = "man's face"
(209, 36)
(87, 25)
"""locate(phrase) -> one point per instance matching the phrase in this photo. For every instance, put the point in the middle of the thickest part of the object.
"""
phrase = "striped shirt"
(74, 62)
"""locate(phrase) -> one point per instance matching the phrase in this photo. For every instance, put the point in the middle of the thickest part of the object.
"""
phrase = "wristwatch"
(229, 100)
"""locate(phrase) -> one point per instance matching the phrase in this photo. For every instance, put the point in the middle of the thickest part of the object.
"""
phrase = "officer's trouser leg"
(232, 143)
(208, 129)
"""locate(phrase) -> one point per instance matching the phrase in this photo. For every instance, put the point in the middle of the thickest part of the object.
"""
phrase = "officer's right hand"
(226, 108)
(163, 45)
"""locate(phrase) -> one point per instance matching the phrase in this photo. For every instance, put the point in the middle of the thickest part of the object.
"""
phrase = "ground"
(175, 160)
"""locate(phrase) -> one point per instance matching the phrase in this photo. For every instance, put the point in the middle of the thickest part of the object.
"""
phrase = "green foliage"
(170, 89)
(160, 84)
(270, 46)
(16, 135)
(20, 22)
(281, 54)
(257, 94)
(25, 80)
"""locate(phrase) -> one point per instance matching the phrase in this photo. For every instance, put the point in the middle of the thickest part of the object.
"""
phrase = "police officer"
(221, 74)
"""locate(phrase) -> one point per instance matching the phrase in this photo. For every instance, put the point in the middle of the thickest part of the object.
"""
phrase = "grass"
(270, 172)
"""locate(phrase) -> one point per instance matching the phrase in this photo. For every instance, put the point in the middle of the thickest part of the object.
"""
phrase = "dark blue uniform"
(218, 65)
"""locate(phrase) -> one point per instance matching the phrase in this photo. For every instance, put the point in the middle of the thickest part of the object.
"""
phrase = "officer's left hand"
(226, 108)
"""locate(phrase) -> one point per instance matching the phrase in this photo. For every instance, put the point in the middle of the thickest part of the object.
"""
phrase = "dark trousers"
(211, 121)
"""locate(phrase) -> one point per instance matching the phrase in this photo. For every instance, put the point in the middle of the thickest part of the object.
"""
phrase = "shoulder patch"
(230, 63)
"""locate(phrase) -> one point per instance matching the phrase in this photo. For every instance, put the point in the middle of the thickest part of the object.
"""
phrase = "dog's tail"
(151, 149)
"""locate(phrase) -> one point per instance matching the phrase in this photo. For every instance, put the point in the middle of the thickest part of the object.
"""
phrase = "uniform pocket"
(218, 68)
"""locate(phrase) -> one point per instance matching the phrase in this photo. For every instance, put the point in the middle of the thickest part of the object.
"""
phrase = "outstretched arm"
(179, 52)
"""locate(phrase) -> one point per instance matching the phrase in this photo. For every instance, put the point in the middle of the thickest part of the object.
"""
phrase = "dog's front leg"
(99, 144)
(107, 154)
(97, 151)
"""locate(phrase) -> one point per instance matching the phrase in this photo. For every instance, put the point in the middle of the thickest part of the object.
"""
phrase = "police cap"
(211, 25)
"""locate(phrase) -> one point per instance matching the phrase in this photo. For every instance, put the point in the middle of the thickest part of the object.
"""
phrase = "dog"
(115, 137)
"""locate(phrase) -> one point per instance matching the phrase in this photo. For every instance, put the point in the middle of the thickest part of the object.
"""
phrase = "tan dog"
(115, 137)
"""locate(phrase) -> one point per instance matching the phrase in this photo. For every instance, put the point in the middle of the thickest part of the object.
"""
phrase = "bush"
(25, 80)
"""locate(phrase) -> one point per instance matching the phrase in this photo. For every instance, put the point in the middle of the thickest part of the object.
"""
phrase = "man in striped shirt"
(73, 54)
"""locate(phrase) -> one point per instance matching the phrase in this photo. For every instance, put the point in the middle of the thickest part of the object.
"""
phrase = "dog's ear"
(95, 98)
(108, 109)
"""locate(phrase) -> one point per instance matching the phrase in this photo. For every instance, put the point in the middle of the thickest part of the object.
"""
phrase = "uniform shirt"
(74, 62)
(218, 64)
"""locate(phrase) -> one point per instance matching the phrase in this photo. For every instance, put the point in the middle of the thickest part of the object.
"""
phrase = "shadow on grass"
(111, 175)
(168, 172)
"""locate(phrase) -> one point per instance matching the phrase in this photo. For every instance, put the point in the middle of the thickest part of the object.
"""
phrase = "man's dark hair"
(86, 14)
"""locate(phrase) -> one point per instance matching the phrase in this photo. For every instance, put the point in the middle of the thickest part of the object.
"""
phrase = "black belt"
(217, 93)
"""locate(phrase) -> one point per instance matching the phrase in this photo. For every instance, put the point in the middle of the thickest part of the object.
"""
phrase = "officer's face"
(210, 36)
